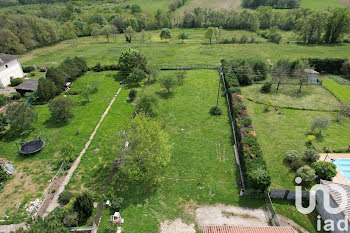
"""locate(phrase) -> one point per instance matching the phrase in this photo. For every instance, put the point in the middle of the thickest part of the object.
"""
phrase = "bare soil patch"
(212, 4)
(176, 226)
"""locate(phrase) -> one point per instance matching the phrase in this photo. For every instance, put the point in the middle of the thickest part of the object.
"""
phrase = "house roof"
(336, 195)
(28, 85)
(234, 229)
(6, 58)
(311, 71)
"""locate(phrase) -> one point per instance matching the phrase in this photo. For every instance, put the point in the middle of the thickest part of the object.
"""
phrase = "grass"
(342, 92)
(194, 52)
(311, 97)
(278, 134)
(196, 175)
(321, 4)
(34, 172)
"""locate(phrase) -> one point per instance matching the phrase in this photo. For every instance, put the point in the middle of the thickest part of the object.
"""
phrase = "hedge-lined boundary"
(327, 65)
(251, 157)
(293, 108)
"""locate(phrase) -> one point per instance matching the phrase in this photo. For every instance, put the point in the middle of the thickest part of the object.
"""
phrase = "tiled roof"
(336, 196)
(28, 85)
(6, 58)
(233, 229)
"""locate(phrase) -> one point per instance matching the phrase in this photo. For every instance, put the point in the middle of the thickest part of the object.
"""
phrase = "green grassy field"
(34, 172)
(278, 134)
(322, 4)
(195, 52)
(342, 92)
(196, 175)
(312, 96)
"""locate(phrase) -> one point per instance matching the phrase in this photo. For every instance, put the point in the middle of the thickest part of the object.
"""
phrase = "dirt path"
(11, 228)
(54, 201)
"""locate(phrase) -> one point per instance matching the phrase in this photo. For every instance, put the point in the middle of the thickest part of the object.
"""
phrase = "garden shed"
(29, 85)
(312, 75)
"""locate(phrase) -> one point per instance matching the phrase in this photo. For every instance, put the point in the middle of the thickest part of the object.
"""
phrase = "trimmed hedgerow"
(253, 163)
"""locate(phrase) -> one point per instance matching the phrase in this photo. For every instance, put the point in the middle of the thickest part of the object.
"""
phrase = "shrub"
(245, 122)
(235, 90)
(292, 156)
(61, 109)
(65, 197)
(132, 94)
(32, 73)
(70, 219)
(16, 81)
(320, 124)
(46, 90)
(311, 155)
(97, 67)
(180, 76)
(117, 203)
(3, 99)
(146, 104)
(3, 122)
(83, 205)
(215, 111)
(238, 107)
(325, 170)
(297, 164)
(328, 65)
(310, 139)
(168, 82)
(137, 75)
(266, 88)
(3, 175)
(307, 174)
(259, 179)
(21, 116)
(131, 59)
(15, 96)
(28, 69)
(244, 39)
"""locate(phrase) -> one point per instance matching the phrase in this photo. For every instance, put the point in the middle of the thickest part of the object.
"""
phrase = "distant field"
(194, 52)
(210, 4)
(324, 4)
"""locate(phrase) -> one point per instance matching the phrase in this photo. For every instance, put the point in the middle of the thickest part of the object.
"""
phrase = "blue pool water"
(343, 166)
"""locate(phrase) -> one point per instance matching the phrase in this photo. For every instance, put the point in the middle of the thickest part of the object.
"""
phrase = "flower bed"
(253, 163)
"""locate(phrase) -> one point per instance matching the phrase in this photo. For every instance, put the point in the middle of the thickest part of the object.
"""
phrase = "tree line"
(277, 4)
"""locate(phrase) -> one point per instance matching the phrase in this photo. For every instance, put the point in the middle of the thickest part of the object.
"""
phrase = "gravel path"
(10, 228)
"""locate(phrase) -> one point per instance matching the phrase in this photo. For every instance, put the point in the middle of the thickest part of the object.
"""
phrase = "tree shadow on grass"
(52, 123)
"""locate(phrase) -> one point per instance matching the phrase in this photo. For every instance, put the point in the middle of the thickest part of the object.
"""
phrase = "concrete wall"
(324, 214)
(10, 70)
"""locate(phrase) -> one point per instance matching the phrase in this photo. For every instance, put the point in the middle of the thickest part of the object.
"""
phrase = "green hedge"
(252, 161)
(327, 65)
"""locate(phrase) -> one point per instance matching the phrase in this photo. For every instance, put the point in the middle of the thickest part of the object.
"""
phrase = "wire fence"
(273, 219)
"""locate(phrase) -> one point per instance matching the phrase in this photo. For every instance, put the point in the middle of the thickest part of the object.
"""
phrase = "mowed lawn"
(34, 172)
(323, 4)
(194, 52)
(311, 97)
(202, 169)
(342, 92)
(280, 133)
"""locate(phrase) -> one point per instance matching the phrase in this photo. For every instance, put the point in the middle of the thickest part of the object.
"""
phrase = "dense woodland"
(21, 31)
(277, 4)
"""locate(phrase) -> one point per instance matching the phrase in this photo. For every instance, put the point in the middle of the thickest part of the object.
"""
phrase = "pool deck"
(339, 178)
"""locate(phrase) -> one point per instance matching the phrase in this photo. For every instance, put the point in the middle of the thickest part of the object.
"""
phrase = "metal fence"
(273, 219)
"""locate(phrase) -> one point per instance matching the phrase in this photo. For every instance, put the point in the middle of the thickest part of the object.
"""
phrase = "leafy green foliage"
(83, 205)
(15, 96)
(65, 197)
(165, 34)
(3, 122)
(131, 59)
(46, 90)
(28, 69)
(136, 75)
(168, 82)
(149, 151)
(325, 170)
(21, 116)
(16, 81)
(307, 174)
(3, 175)
(292, 156)
(320, 124)
(183, 36)
(61, 109)
(146, 104)
(338, 23)
(266, 88)
(311, 155)
(132, 94)
(3, 99)
(215, 111)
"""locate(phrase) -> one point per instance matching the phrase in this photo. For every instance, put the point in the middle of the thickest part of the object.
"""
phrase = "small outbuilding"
(29, 85)
(312, 75)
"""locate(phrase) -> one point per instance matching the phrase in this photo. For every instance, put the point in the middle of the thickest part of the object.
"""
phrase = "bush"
(3, 175)
(132, 94)
(3, 99)
(307, 174)
(21, 116)
(131, 59)
(28, 69)
(215, 111)
(3, 122)
(70, 219)
(16, 81)
(327, 65)
(297, 164)
(32, 73)
(15, 96)
(245, 122)
(168, 82)
(117, 203)
(61, 109)
(146, 104)
(259, 179)
(83, 205)
(311, 155)
(97, 67)
(137, 75)
(235, 90)
(266, 88)
(325, 170)
(65, 197)
(292, 156)
(46, 90)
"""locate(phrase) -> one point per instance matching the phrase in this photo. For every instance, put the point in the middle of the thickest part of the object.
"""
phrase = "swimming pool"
(343, 166)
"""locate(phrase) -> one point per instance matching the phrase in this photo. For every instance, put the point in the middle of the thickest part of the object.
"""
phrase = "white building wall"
(13, 70)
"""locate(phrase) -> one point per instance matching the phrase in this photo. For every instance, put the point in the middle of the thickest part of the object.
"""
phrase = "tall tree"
(279, 74)
(209, 33)
(107, 31)
(21, 116)
(182, 36)
(338, 23)
(300, 73)
(129, 33)
(165, 34)
(310, 28)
